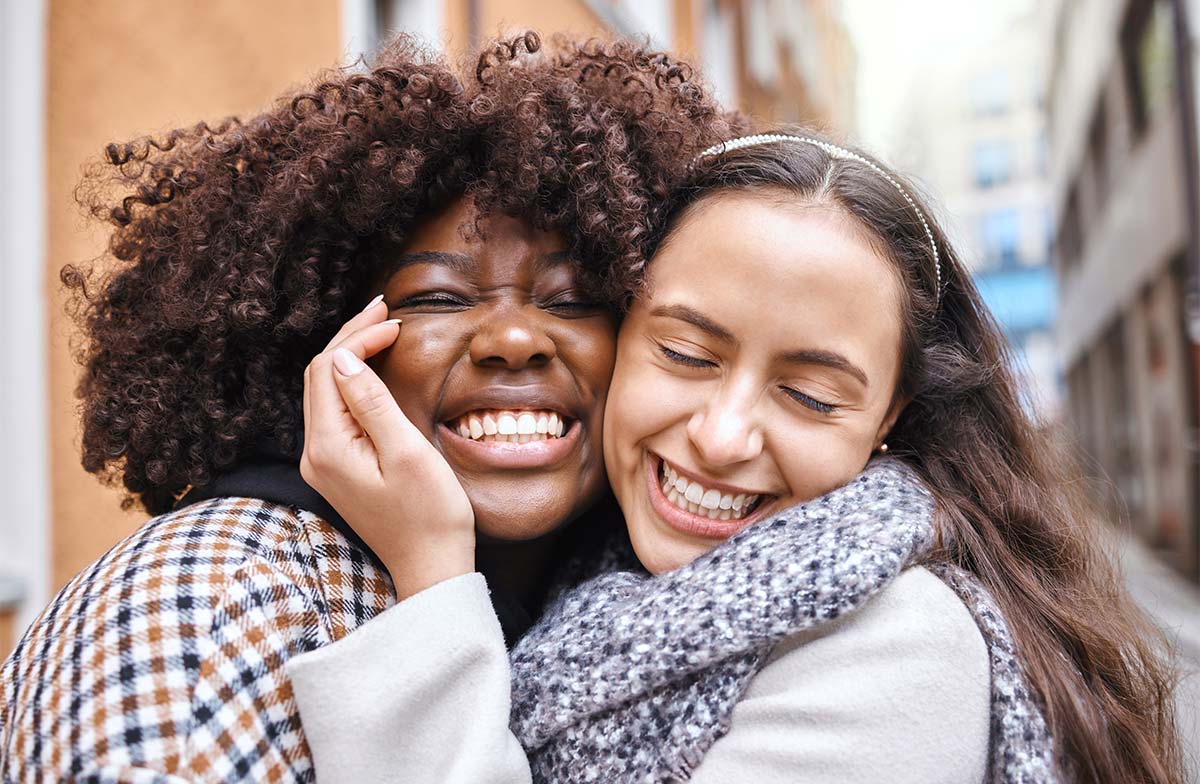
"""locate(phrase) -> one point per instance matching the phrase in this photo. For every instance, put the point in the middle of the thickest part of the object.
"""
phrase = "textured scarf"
(632, 678)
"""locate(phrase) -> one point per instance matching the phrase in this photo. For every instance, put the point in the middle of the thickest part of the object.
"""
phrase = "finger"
(371, 339)
(375, 311)
(374, 409)
(330, 414)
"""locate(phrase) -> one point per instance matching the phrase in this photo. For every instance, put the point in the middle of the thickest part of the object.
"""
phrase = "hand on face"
(382, 475)
(503, 364)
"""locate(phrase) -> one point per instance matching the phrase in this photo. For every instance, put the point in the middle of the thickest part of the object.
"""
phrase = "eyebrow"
(696, 319)
(830, 359)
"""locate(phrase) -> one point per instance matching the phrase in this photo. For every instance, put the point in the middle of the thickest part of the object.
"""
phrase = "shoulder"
(141, 628)
(898, 690)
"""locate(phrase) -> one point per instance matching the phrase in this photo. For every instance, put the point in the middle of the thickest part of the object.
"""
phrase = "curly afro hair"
(238, 250)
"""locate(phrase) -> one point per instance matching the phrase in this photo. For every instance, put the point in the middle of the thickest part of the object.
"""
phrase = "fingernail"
(374, 302)
(397, 322)
(346, 363)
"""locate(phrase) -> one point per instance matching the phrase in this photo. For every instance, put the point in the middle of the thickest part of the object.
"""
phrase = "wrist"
(419, 568)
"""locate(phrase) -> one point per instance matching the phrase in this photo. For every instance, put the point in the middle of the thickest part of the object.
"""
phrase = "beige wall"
(512, 16)
(116, 70)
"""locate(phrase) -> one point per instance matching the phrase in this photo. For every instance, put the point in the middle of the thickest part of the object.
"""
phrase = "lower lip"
(684, 521)
(468, 453)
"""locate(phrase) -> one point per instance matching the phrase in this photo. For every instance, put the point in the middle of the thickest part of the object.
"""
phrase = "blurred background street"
(1060, 139)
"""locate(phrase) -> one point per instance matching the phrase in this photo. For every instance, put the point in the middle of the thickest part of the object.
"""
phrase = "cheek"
(643, 402)
(590, 349)
(815, 459)
(416, 366)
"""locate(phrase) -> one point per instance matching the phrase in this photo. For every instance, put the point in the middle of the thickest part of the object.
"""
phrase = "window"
(993, 163)
(1001, 231)
(1070, 232)
(990, 93)
(720, 48)
(1041, 154)
(1148, 53)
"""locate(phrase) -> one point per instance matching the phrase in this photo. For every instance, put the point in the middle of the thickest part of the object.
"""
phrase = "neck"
(518, 568)
(524, 570)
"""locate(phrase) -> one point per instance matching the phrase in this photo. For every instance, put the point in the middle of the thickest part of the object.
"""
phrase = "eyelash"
(801, 398)
(569, 301)
(445, 300)
(448, 300)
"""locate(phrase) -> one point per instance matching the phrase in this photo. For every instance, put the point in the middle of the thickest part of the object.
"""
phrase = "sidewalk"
(1175, 604)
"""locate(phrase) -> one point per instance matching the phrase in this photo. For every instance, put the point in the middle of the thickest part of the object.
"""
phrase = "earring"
(883, 449)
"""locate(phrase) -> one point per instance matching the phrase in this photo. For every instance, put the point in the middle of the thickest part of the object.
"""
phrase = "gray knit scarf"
(632, 678)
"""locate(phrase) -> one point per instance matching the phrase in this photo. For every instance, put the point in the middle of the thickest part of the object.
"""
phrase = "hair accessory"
(834, 151)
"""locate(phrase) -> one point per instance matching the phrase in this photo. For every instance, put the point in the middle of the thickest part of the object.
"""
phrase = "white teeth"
(518, 427)
(699, 500)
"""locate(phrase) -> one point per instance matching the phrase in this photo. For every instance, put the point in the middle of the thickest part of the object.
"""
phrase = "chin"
(520, 518)
(658, 554)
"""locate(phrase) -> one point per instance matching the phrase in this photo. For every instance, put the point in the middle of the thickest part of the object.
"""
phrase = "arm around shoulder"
(897, 691)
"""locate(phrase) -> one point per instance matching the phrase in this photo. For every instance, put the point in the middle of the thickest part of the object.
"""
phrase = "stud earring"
(883, 449)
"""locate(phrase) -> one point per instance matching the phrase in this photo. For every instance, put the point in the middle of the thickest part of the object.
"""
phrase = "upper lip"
(531, 397)
(712, 484)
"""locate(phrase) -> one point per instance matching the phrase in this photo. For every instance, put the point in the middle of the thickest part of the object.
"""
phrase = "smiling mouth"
(512, 426)
(691, 496)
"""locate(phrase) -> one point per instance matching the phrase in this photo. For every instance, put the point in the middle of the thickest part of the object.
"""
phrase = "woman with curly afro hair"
(531, 191)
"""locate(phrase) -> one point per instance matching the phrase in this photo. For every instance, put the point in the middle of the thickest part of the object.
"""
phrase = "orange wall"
(116, 70)
(560, 16)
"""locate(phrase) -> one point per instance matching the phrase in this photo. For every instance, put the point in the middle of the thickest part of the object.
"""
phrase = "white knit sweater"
(897, 692)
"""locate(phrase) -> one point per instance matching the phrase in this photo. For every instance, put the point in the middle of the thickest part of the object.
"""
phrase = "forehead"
(456, 237)
(787, 272)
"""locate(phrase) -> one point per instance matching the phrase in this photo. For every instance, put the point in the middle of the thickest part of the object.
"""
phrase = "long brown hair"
(1010, 509)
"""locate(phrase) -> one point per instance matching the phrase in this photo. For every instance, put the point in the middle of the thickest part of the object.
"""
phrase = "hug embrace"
(555, 424)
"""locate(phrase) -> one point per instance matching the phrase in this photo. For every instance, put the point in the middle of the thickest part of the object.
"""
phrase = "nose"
(512, 340)
(725, 431)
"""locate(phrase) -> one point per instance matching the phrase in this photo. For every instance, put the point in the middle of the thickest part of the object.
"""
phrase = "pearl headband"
(834, 151)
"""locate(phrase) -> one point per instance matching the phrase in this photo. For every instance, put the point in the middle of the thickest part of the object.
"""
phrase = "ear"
(885, 427)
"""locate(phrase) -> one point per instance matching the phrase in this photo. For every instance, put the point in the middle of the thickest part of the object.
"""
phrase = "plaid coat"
(163, 660)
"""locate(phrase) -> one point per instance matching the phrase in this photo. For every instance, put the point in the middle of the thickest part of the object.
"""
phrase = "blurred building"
(77, 75)
(780, 60)
(1122, 152)
(976, 134)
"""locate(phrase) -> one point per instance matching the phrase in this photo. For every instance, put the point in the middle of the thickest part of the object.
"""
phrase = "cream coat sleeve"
(419, 693)
(897, 692)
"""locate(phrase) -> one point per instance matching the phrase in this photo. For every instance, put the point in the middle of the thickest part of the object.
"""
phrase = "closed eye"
(432, 300)
(684, 359)
(809, 401)
(571, 302)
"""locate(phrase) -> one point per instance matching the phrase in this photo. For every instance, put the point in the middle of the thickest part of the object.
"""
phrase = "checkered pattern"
(163, 661)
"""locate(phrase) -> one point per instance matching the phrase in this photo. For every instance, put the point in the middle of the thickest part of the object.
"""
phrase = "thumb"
(371, 404)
